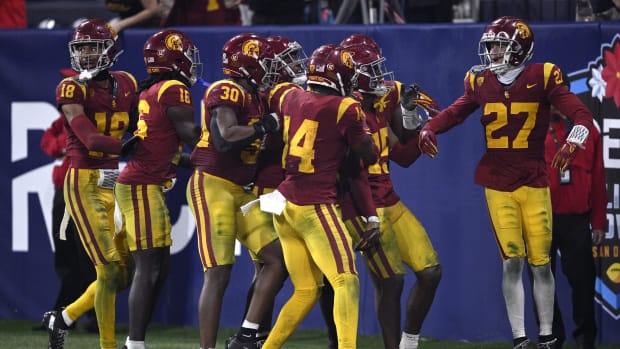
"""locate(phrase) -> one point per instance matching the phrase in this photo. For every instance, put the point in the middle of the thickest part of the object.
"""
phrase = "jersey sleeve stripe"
(548, 67)
(344, 105)
(132, 78)
(167, 85)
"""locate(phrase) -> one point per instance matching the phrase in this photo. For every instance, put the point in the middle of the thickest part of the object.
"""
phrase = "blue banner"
(440, 192)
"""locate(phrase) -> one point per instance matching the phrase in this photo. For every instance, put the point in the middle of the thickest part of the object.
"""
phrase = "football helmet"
(292, 59)
(505, 44)
(93, 48)
(171, 50)
(361, 39)
(249, 56)
(332, 66)
(370, 71)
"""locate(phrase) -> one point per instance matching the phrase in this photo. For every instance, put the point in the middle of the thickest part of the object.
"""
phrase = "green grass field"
(18, 334)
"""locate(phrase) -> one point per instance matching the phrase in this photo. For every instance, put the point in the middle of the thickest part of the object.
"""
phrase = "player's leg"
(256, 232)
(326, 302)
(537, 219)
(305, 277)
(387, 272)
(211, 200)
(387, 305)
(505, 214)
(57, 322)
(92, 210)
(331, 247)
(418, 253)
(558, 241)
(148, 229)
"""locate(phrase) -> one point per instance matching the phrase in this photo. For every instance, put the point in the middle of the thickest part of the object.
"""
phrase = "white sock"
(514, 295)
(544, 293)
(134, 344)
(250, 325)
(66, 318)
(409, 341)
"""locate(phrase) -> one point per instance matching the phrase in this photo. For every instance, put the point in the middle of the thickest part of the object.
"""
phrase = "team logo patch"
(251, 48)
(523, 30)
(597, 87)
(479, 81)
(174, 42)
(347, 59)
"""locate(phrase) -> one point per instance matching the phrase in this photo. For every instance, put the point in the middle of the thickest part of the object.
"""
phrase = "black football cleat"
(546, 343)
(235, 343)
(57, 330)
(521, 343)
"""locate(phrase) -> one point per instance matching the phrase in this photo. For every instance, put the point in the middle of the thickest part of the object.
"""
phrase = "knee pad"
(347, 281)
(112, 276)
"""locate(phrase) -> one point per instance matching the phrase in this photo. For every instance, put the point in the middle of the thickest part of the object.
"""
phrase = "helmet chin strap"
(509, 76)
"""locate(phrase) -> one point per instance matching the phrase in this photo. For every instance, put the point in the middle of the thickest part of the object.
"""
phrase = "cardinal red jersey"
(515, 119)
(378, 121)
(158, 153)
(237, 166)
(107, 108)
(318, 130)
(270, 172)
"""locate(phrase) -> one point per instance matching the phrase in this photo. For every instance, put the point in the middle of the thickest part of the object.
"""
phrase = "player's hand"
(597, 236)
(564, 156)
(129, 146)
(267, 124)
(427, 142)
(413, 97)
(370, 237)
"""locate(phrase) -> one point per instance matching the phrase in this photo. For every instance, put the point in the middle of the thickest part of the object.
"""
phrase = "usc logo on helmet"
(174, 42)
(523, 30)
(347, 59)
(251, 48)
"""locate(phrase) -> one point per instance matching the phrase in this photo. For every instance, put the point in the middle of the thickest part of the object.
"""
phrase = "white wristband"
(411, 119)
(578, 135)
(373, 219)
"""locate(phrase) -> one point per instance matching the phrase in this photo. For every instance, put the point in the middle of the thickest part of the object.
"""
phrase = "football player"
(97, 106)
(166, 121)
(515, 98)
(269, 172)
(319, 127)
(403, 240)
(234, 123)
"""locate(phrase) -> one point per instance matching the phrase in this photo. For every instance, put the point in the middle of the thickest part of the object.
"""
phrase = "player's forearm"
(93, 140)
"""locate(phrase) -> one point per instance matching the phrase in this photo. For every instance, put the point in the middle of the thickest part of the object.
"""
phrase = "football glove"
(564, 156)
(370, 237)
(413, 97)
(267, 124)
(427, 142)
(129, 146)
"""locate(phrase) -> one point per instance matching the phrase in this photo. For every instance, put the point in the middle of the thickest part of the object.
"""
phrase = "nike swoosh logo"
(127, 94)
(530, 85)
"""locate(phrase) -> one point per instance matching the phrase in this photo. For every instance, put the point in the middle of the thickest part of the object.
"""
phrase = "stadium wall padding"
(440, 192)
